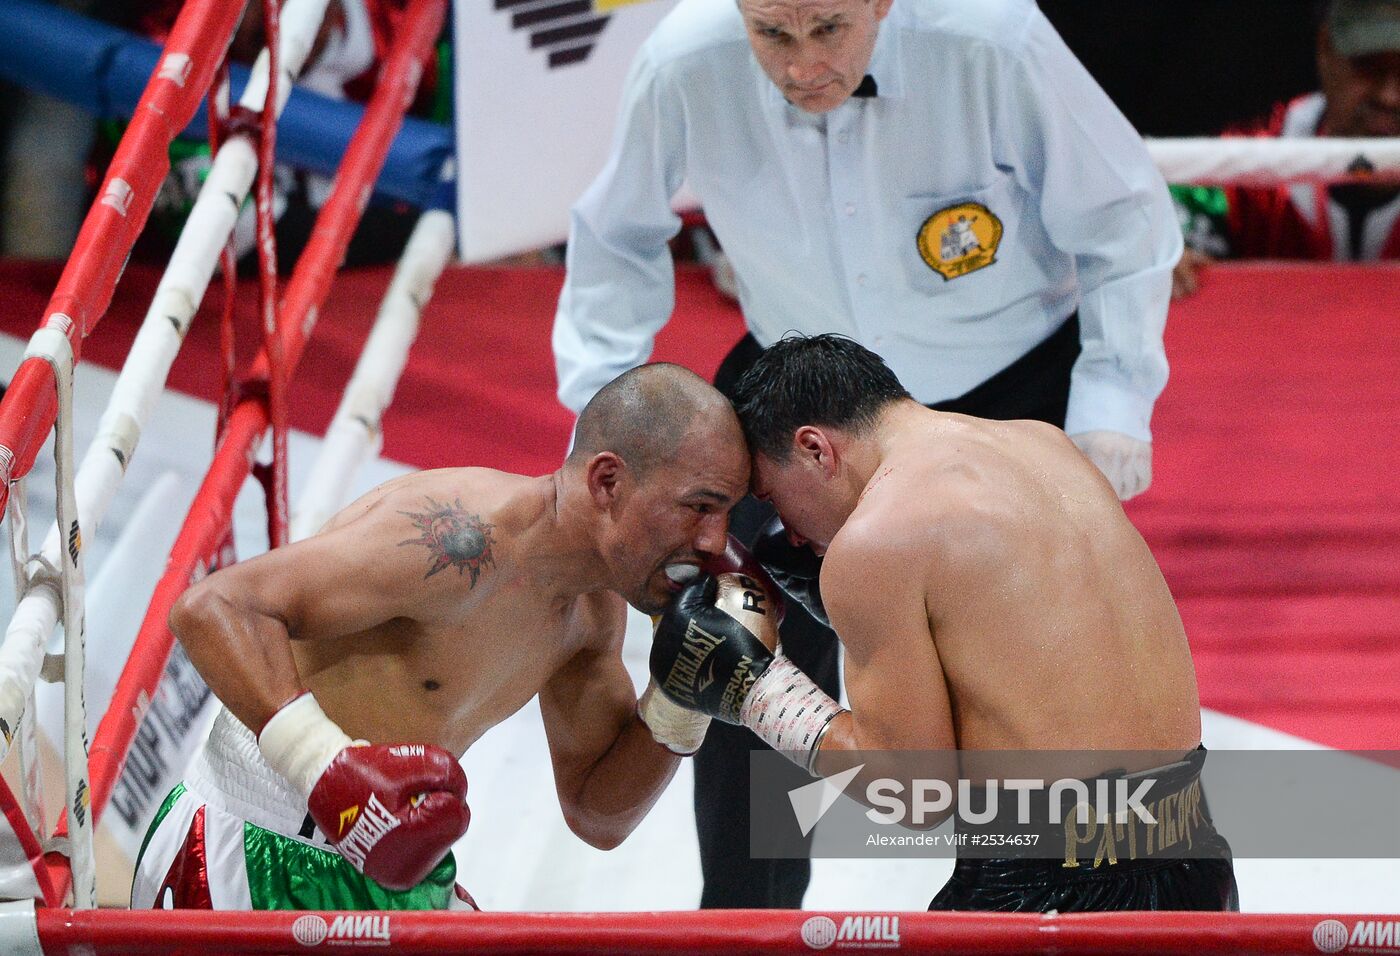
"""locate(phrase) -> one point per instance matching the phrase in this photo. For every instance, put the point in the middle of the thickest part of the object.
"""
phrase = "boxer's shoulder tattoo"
(454, 538)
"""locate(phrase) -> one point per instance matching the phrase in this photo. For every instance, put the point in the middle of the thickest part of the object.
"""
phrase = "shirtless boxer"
(366, 660)
(990, 594)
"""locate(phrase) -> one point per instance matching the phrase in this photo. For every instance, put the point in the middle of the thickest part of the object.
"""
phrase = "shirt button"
(879, 340)
(861, 279)
(843, 137)
(850, 209)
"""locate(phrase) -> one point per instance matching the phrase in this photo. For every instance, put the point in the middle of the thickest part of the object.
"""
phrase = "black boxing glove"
(714, 642)
(795, 570)
(715, 652)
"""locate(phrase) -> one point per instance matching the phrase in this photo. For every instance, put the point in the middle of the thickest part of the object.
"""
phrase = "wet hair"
(819, 380)
(643, 415)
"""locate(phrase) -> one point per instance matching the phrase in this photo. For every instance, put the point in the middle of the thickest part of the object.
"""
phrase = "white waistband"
(229, 773)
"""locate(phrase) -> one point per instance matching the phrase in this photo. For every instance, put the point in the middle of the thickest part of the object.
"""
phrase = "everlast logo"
(1175, 819)
(709, 678)
(375, 822)
(347, 817)
(683, 682)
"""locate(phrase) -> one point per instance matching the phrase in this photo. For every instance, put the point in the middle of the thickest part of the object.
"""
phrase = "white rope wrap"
(22, 652)
(53, 347)
(789, 712)
(143, 375)
(354, 436)
(35, 806)
(16, 664)
(209, 225)
(1269, 160)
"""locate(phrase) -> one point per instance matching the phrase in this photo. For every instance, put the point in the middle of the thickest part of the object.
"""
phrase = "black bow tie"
(867, 87)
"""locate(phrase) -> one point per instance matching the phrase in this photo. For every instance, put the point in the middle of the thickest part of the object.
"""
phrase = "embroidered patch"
(959, 239)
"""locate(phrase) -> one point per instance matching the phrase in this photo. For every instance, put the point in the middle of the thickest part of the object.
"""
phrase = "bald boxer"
(357, 666)
(990, 594)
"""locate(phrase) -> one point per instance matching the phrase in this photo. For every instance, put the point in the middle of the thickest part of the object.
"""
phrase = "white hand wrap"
(300, 741)
(789, 712)
(679, 730)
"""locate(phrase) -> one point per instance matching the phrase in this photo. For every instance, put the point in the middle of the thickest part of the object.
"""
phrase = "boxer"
(357, 666)
(990, 594)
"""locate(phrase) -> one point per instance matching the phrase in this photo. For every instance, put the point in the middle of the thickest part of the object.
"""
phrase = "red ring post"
(201, 32)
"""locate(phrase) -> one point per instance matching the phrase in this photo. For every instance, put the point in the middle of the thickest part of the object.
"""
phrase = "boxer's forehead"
(720, 477)
(712, 463)
(765, 473)
(718, 436)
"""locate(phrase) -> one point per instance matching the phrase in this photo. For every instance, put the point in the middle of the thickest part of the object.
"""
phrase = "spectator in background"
(44, 144)
(343, 64)
(942, 182)
(1358, 63)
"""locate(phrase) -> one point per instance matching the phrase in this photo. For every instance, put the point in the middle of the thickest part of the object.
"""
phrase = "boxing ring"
(47, 867)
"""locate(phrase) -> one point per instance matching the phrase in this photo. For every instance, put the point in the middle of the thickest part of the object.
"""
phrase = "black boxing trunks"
(1178, 862)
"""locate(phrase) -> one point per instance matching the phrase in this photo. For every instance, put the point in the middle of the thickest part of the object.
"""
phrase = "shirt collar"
(884, 62)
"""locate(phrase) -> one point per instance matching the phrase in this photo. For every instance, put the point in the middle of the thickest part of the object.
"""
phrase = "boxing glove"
(715, 651)
(713, 642)
(392, 810)
(795, 570)
(736, 559)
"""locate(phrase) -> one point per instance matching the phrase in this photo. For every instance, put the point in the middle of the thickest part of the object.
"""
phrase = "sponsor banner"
(1080, 807)
(1349, 934)
(173, 728)
(351, 929)
(537, 91)
(852, 931)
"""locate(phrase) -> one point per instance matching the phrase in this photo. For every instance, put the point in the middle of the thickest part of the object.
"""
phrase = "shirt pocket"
(951, 243)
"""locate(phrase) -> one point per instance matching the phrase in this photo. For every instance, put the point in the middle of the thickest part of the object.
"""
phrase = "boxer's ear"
(814, 445)
(605, 474)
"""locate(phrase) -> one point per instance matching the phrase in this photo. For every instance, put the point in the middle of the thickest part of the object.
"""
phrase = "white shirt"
(984, 123)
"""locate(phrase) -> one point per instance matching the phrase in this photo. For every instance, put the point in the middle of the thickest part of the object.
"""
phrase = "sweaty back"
(1045, 576)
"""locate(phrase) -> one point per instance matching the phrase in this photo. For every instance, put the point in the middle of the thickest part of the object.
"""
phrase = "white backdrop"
(531, 135)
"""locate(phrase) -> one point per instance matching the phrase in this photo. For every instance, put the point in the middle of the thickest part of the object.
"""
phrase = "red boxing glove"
(392, 810)
(736, 559)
